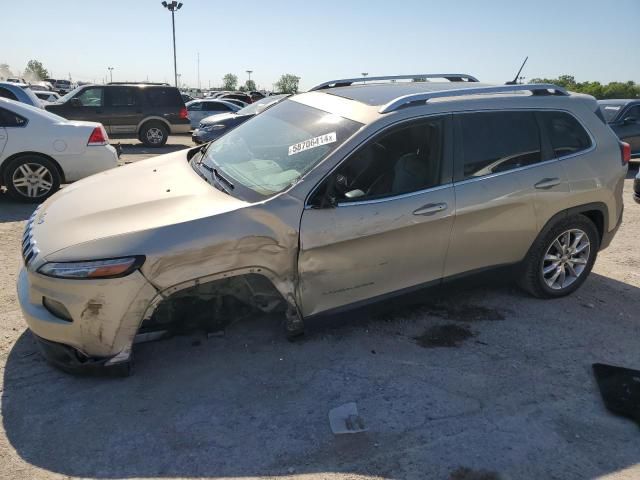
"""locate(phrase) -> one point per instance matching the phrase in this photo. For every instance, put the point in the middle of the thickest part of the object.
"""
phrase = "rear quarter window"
(566, 133)
(6, 93)
(164, 97)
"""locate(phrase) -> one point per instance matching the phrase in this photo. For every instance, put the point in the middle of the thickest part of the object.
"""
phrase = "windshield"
(271, 151)
(69, 95)
(610, 110)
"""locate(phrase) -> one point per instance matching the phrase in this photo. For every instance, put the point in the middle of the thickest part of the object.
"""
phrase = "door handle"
(430, 209)
(547, 183)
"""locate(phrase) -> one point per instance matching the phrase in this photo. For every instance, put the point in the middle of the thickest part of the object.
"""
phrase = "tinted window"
(121, 96)
(195, 107)
(403, 161)
(566, 134)
(10, 119)
(7, 94)
(216, 107)
(610, 110)
(633, 112)
(495, 142)
(91, 97)
(164, 97)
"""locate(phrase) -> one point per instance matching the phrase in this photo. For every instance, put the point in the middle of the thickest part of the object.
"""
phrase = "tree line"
(34, 71)
(600, 91)
(288, 83)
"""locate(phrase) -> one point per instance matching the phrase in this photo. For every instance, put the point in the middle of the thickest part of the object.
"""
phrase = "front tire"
(154, 134)
(561, 259)
(31, 178)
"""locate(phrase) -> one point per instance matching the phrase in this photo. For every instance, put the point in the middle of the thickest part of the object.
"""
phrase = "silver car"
(344, 195)
(199, 109)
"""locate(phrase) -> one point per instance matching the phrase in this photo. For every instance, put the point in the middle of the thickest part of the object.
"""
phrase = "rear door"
(123, 109)
(506, 179)
(10, 123)
(388, 228)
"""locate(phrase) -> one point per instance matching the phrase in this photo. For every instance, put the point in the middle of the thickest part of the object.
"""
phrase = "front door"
(380, 223)
(88, 104)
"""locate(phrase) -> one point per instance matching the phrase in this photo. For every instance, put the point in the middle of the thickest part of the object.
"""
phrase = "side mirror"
(75, 102)
(628, 120)
(354, 194)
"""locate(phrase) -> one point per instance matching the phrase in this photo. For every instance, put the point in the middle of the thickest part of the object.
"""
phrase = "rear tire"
(154, 134)
(561, 259)
(31, 178)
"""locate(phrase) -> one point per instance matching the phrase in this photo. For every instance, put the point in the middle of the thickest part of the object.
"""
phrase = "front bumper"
(104, 317)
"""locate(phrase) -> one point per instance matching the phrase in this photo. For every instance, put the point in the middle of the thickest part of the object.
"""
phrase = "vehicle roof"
(618, 101)
(14, 84)
(377, 94)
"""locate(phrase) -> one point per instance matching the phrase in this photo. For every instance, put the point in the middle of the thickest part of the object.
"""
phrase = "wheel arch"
(597, 212)
(7, 161)
(153, 118)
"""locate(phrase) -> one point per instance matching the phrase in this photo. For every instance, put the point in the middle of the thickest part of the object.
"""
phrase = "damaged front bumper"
(99, 321)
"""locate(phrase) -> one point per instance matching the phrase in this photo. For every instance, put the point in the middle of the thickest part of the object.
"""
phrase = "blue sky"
(593, 40)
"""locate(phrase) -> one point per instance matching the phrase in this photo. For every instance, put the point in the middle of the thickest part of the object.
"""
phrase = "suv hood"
(148, 194)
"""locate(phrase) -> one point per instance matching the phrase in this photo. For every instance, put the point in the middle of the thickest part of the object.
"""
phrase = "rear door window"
(566, 134)
(494, 142)
(10, 119)
(216, 107)
(164, 97)
(5, 93)
(121, 96)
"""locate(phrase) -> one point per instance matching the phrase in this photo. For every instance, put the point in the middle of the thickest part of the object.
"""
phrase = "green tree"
(250, 86)
(229, 82)
(611, 90)
(35, 70)
(288, 83)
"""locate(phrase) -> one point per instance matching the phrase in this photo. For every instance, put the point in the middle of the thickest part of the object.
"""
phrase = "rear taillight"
(625, 149)
(98, 136)
(183, 113)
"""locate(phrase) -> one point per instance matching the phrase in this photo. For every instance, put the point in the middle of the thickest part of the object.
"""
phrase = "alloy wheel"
(32, 180)
(566, 259)
(155, 135)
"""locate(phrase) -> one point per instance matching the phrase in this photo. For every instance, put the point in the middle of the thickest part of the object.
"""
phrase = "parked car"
(199, 109)
(40, 150)
(186, 98)
(16, 80)
(19, 92)
(243, 97)
(148, 112)
(330, 199)
(50, 97)
(237, 103)
(636, 188)
(63, 86)
(255, 96)
(623, 116)
(213, 127)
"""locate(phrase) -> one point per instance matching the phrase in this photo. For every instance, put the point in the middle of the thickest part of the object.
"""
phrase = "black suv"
(623, 116)
(148, 112)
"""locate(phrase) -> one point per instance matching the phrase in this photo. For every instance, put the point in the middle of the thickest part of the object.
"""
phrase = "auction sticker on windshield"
(312, 143)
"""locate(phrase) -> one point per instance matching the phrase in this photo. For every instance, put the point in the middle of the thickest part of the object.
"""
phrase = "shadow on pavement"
(518, 398)
(13, 211)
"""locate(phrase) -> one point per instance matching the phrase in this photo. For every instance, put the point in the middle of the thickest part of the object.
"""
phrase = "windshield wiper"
(223, 179)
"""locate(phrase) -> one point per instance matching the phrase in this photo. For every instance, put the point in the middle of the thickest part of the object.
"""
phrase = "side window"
(4, 93)
(195, 107)
(566, 134)
(404, 160)
(10, 119)
(633, 112)
(219, 107)
(91, 97)
(164, 97)
(121, 96)
(495, 142)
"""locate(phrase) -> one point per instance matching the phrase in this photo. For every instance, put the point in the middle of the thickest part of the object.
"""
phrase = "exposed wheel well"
(15, 156)
(597, 217)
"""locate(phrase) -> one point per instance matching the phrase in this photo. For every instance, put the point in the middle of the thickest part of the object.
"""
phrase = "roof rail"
(535, 89)
(345, 82)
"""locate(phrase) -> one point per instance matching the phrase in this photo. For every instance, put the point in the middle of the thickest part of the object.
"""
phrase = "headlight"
(113, 268)
(211, 128)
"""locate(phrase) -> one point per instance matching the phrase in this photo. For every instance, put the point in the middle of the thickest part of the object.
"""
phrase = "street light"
(173, 7)
(364, 74)
(110, 74)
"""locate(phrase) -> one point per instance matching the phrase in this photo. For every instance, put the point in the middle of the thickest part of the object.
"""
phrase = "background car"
(40, 150)
(199, 109)
(623, 116)
(50, 97)
(148, 112)
(238, 103)
(63, 86)
(237, 96)
(213, 127)
(19, 92)
(186, 97)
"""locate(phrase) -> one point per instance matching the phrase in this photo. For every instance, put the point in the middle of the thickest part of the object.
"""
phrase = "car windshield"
(271, 151)
(610, 110)
(258, 106)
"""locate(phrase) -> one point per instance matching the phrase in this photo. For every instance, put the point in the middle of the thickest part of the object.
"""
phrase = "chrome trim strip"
(459, 92)
(395, 197)
(349, 81)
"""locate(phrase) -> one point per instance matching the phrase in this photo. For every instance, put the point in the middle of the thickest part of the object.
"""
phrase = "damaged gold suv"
(343, 195)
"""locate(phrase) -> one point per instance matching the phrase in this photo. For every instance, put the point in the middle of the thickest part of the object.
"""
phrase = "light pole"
(364, 74)
(173, 7)
(249, 72)
(179, 82)
(110, 74)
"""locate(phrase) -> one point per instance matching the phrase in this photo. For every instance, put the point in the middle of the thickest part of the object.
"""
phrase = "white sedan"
(40, 150)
